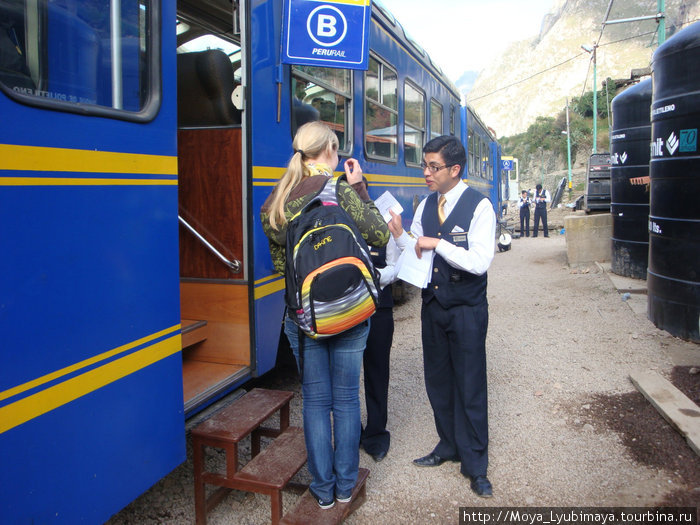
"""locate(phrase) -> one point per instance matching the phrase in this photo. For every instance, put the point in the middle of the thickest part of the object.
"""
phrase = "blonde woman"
(331, 375)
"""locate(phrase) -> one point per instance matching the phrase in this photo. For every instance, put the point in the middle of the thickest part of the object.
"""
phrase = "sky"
(463, 35)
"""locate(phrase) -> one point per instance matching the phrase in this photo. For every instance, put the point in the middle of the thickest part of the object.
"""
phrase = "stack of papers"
(413, 270)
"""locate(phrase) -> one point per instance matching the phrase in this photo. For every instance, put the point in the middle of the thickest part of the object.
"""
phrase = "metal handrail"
(234, 265)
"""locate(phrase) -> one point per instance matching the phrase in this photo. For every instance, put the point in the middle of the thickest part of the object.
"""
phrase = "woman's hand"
(353, 171)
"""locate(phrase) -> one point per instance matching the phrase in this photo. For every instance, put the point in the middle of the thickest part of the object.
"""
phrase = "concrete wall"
(588, 238)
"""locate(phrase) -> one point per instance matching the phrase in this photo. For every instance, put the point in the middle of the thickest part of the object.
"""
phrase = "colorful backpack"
(331, 283)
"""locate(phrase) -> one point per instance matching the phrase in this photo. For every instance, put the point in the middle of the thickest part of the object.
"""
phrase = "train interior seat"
(205, 83)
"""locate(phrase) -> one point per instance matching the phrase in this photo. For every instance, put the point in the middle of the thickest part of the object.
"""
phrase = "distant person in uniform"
(542, 198)
(458, 224)
(524, 204)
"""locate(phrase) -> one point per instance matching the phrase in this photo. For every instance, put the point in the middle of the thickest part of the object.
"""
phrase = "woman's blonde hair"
(311, 141)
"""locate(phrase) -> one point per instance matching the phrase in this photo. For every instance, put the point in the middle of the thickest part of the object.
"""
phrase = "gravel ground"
(567, 427)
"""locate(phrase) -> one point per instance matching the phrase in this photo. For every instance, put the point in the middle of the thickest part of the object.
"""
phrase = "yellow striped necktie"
(441, 209)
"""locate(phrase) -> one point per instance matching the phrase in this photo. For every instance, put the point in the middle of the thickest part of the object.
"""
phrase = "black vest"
(540, 205)
(386, 299)
(449, 285)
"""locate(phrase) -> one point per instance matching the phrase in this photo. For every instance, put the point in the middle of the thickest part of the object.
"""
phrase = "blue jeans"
(331, 384)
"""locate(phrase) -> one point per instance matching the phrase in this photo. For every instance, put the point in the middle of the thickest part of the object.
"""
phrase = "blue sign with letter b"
(331, 34)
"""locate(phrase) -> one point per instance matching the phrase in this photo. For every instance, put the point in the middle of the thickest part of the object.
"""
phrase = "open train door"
(213, 199)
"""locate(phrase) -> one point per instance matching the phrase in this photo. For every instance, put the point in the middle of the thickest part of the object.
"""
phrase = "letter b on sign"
(324, 23)
(326, 26)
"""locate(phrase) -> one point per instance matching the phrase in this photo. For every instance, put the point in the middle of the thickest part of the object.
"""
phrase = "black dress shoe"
(482, 486)
(431, 460)
(379, 456)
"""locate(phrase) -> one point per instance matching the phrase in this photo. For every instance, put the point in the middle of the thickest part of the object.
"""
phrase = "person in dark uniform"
(542, 198)
(524, 205)
(375, 438)
(459, 228)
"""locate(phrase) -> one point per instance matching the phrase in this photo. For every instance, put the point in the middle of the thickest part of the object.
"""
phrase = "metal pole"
(595, 101)
(116, 43)
(661, 4)
(568, 141)
(542, 165)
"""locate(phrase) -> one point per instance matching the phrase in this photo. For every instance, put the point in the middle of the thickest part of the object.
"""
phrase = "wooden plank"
(199, 376)
(225, 308)
(241, 417)
(193, 332)
(672, 404)
(277, 464)
(307, 510)
(210, 192)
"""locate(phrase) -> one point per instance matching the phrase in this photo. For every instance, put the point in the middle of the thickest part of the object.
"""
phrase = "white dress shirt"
(387, 275)
(481, 235)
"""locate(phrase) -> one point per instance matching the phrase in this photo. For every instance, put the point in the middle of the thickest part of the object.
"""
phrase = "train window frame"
(408, 83)
(470, 150)
(452, 119)
(152, 77)
(379, 102)
(345, 149)
(436, 104)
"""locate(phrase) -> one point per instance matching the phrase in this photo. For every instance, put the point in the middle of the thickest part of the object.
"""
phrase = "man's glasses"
(433, 167)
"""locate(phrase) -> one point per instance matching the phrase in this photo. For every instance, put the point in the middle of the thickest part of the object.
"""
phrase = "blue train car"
(138, 141)
(483, 158)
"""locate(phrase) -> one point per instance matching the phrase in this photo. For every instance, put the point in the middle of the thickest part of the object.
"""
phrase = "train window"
(381, 113)
(65, 55)
(452, 119)
(435, 118)
(470, 147)
(325, 94)
(414, 124)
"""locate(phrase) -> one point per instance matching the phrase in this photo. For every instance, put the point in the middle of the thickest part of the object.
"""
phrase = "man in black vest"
(459, 230)
(542, 198)
(524, 205)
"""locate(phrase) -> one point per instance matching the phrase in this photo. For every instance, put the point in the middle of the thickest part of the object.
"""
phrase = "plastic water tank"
(673, 279)
(629, 180)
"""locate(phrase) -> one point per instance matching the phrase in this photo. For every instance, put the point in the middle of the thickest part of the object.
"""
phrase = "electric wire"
(569, 60)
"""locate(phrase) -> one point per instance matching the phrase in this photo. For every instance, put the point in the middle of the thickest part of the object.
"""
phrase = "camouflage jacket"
(353, 199)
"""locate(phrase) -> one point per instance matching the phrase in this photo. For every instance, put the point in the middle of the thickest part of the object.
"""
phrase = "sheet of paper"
(413, 270)
(385, 202)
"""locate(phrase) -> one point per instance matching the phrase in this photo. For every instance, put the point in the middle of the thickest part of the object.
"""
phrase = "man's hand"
(425, 243)
(353, 171)
(395, 226)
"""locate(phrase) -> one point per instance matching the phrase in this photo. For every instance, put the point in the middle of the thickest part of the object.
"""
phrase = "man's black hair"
(538, 187)
(451, 150)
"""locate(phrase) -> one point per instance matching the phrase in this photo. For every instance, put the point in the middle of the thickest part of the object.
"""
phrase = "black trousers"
(525, 222)
(375, 437)
(540, 214)
(454, 360)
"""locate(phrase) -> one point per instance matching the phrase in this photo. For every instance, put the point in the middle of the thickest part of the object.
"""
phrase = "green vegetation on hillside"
(548, 134)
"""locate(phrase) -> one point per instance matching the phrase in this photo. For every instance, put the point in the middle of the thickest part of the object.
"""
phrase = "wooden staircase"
(270, 470)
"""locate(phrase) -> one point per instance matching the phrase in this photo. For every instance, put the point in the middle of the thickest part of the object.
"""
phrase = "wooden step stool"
(269, 471)
(307, 510)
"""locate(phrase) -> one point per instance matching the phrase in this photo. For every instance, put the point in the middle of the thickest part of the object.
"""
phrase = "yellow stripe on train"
(35, 158)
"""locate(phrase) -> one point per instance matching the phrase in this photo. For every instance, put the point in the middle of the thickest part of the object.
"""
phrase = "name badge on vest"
(458, 236)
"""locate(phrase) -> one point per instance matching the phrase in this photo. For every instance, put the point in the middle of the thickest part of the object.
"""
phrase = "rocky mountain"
(534, 77)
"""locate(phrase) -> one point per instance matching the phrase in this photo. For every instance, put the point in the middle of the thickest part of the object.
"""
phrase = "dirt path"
(560, 348)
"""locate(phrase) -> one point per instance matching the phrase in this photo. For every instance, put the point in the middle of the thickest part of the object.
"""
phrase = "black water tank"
(629, 180)
(673, 280)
